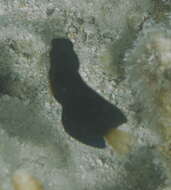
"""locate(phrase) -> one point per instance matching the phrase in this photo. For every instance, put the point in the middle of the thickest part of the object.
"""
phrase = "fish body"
(86, 115)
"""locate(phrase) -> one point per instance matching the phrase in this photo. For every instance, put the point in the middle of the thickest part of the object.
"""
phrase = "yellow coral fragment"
(24, 181)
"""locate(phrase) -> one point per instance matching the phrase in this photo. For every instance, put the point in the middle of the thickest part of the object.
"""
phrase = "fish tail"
(120, 141)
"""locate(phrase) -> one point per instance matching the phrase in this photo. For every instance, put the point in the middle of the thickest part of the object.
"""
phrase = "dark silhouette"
(86, 115)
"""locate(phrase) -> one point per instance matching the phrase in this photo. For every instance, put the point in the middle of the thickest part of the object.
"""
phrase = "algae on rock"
(148, 66)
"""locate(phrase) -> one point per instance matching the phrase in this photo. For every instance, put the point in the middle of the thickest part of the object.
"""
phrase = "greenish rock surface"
(124, 47)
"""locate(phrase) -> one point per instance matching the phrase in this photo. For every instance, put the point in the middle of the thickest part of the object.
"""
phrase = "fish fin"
(97, 142)
(120, 141)
(51, 99)
(50, 91)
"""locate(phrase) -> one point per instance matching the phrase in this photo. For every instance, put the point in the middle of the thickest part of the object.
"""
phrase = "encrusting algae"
(149, 76)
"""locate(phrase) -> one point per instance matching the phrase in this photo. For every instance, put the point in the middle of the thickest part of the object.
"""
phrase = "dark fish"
(86, 115)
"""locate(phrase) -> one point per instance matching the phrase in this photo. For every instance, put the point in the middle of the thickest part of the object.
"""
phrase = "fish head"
(63, 56)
